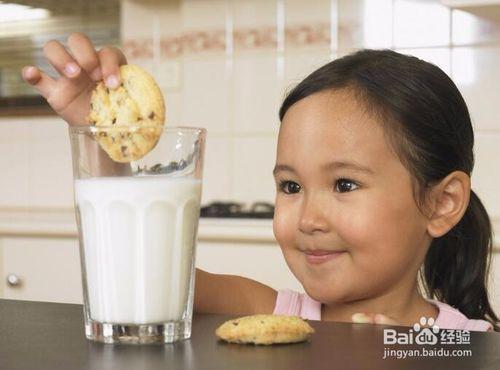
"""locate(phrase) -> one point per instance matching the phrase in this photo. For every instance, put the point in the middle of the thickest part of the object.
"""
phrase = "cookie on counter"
(265, 329)
(138, 103)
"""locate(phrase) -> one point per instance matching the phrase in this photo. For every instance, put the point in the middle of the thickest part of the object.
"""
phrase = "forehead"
(332, 125)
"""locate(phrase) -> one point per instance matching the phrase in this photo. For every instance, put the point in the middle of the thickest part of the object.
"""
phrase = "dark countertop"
(37, 335)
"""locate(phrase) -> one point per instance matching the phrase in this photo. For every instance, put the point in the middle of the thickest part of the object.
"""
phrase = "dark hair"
(428, 123)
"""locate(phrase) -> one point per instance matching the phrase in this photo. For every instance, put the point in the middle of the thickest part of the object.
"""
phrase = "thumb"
(39, 80)
(385, 320)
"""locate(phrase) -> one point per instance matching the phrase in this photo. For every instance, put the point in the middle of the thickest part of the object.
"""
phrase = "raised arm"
(232, 294)
(79, 68)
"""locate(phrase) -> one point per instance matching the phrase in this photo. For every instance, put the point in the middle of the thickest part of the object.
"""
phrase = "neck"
(403, 303)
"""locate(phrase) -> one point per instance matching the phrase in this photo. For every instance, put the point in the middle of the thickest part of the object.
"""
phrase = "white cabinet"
(263, 262)
(48, 269)
(40, 269)
(494, 283)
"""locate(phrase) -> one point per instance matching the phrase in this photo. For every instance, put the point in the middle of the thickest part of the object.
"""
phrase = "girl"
(374, 158)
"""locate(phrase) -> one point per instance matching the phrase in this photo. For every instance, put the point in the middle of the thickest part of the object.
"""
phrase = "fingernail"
(96, 74)
(27, 71)
(360, 318)
(71, 69)
(112, 82)
(381, 319)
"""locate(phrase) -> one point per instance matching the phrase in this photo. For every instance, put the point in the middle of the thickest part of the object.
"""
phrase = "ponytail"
(457, 265)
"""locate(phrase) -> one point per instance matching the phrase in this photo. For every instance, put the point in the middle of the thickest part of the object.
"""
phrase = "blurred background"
(226, 66)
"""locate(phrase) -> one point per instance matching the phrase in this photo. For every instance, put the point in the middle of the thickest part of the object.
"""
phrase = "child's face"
(368, 212)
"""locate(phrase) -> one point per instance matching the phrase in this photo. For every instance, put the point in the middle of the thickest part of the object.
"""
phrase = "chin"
(325, 293)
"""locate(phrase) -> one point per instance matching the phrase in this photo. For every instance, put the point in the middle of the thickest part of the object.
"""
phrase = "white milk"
(139, 236)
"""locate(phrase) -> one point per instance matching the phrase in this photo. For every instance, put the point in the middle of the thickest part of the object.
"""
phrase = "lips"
(321, 256)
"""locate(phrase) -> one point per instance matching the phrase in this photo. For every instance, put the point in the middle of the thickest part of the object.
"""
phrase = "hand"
(69, 95)
(371, 318)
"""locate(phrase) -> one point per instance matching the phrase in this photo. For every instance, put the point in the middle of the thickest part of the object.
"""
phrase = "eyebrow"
(328, 167)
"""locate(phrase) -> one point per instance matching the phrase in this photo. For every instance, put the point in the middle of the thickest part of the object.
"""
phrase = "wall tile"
(421, 23)
(237, 97)
(438, 56)
(50, 169)
(365, 23)
(252, 179)
(253, 13)
(201, 14)
(257, 93)
(475, 70)
(470, 29)
(486, 175)
(316, 11)
(142, 19)
(218, 169)
(206, 94)
(299, 65)
(173, 106)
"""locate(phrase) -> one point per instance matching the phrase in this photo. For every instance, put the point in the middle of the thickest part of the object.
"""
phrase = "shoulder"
(293, 303)
(451, 318)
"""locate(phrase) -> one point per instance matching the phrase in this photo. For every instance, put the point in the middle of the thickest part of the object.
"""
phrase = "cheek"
(283, 226)
(383, 234)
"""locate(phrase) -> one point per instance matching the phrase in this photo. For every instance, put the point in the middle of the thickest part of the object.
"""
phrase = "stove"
(237, 210)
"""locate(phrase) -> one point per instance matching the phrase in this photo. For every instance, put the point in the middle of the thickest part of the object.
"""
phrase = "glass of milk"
(137, 227)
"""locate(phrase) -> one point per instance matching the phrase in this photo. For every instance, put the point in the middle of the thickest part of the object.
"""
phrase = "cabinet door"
(263, 262)
(494, 283)
(41, 269)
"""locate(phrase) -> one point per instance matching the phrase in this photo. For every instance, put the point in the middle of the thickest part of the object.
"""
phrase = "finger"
(41, 81)
(111, 59)
(85, 55)
(61, 60)
(362, 318)
(385, 320)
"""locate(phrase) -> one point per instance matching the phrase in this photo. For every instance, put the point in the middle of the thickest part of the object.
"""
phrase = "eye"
(345, 185)
(289, 187)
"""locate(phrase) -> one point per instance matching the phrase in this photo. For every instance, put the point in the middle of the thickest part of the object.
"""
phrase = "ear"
(449, 200)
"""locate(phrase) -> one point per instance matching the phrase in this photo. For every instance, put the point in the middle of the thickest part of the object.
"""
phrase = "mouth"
(319, 256)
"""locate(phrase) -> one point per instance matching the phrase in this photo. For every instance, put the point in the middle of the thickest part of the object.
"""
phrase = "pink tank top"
(300, 304)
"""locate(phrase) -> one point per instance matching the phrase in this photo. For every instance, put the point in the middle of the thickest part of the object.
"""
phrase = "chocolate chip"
(235, 323)
(114, 121)
(123, 149)
(151, 115)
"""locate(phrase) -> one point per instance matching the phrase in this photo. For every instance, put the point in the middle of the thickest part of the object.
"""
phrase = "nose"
(313, 215)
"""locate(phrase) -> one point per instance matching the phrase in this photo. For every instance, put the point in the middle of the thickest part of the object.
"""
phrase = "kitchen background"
(223, 65)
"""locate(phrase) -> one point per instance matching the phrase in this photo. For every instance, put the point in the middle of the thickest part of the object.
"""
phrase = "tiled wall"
(226, 65)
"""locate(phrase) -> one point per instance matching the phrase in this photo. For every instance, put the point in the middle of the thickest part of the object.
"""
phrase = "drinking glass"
(137, 226)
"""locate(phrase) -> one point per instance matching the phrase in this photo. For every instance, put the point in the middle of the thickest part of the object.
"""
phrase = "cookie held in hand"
(265, 329)
(128, 120)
